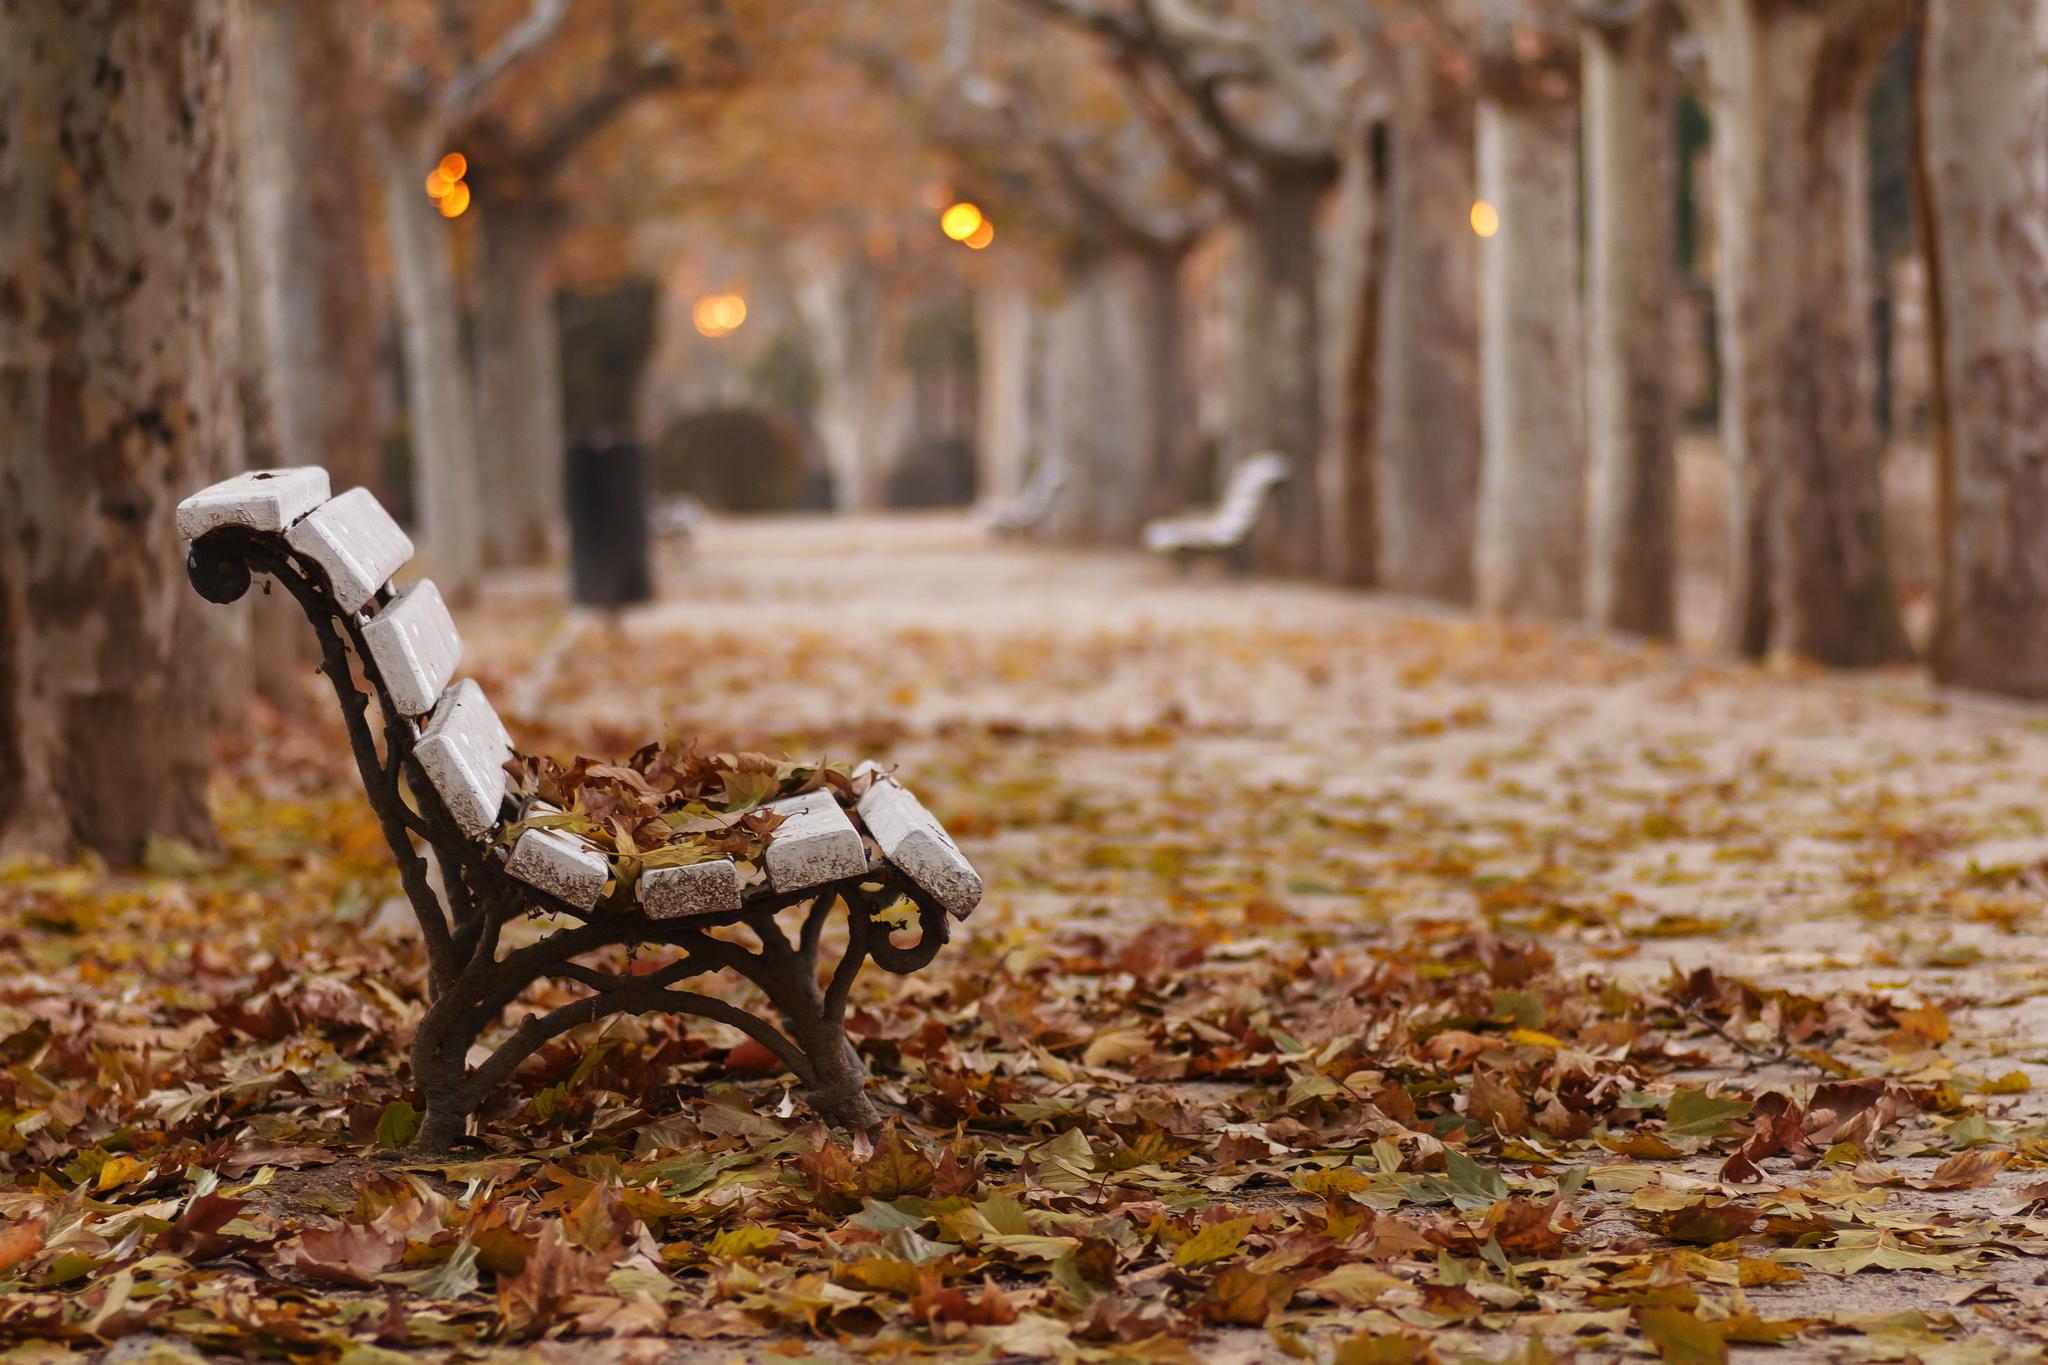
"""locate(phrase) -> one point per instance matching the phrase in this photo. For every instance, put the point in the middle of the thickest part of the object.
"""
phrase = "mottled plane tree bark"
(1122, 387)
(418, 114)
(1631, 413)
(117, 396)
(308, 298)
(1984, 173)
(1428, 428)
(1530, 556)
(1808, 571)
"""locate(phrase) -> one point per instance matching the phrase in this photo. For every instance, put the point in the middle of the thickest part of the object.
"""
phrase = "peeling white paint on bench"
(262, 500)
(415, 647)
(918, 844)
(357, 542)
(707, 888)
(463, 754)
(562, 865)
(814, 844)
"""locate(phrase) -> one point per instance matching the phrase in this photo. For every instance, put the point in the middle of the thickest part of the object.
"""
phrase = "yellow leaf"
(742, 1242)
(1114, 1047)
(1215, 1242)
(1682, 1338)
(1529, 1037)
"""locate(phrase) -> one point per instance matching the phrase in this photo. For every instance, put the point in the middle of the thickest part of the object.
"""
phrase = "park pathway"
(1122, 747)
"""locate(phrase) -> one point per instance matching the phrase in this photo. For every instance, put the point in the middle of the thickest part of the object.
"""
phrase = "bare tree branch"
(1114, 25)
(626, 83)
(471, 86)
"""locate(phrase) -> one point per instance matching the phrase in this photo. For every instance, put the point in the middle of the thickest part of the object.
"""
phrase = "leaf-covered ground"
(1355, 984)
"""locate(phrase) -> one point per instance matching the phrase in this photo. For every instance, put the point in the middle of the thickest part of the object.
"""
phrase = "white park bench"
(432, 761)
(1033, 506)
(1225, 529)
(680, 517)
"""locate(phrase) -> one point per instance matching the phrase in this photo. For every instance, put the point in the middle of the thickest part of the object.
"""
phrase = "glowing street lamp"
(445, 186)
(981, 236)
(1485, 219)
(962, 221)
(718, 315)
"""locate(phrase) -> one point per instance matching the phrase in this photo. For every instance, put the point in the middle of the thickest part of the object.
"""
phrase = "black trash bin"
(609, 501)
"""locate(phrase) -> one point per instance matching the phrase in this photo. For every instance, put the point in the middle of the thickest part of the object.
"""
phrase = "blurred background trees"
(1538, 300)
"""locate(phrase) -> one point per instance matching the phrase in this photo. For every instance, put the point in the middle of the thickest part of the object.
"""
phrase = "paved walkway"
(1118, 744)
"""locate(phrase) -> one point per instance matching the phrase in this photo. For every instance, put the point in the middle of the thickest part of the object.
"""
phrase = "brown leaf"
(1494, 1102)
(555, 1273)
(1967, 1170)
(1705, 1223)
(1240, 1297)
(197, 1235)
(2029, 1198)
(351, 1254)
(252, 1152)
(18, 1242)
(897, 1168)
(937, 1303)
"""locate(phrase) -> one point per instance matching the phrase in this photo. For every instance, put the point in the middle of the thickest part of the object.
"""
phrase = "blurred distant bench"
(680, 517)
(434, 769)
(1225, 529)
(1034, 505)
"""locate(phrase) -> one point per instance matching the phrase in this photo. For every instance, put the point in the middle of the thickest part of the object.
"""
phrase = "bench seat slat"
(562, 865)
(814, 844)
(707, 888)
(355, 540)
(463, 754)
(911, 838)
(262, 500)
(415, 646)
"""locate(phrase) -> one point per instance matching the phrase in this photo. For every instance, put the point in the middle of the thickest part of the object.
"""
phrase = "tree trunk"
(1749, 306)
(447, 485)
(1985, 104)
(841, 307)
(1099, 420)
(1632, 504)
(1173, 438)
(308, 320)
(1006, 353)
(1429, 361)
(1807, 569)
(1532, 483)
(1833, 599)
(319, 302)
(1119, 401)
(1281, 341)
(1357, 275)
(519, 382)
(117, 397)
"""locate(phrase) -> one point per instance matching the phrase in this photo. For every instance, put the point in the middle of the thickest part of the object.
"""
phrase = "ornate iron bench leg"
(811, 1043)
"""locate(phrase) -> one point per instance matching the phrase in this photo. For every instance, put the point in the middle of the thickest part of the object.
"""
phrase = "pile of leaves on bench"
(669, 805)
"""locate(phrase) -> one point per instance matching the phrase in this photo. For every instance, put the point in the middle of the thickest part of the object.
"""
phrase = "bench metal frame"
(471, 982)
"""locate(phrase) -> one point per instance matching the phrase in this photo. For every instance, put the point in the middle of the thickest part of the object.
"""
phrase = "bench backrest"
(410, 645)
(1036, 500)
(1046, 484)
(1246, 492)
(409, 650)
